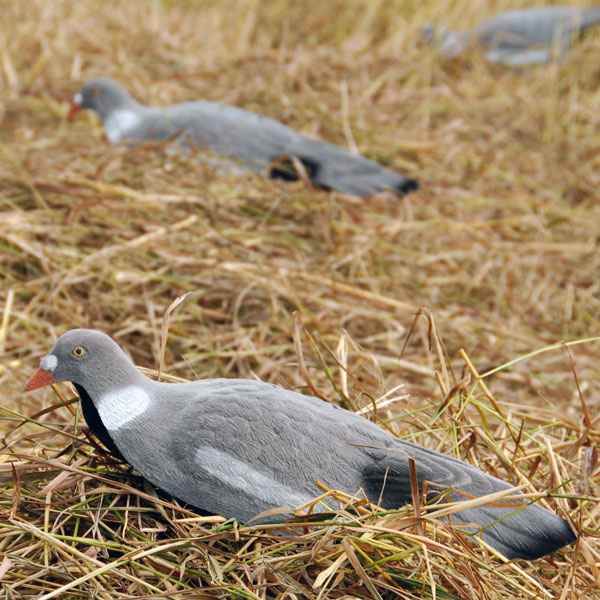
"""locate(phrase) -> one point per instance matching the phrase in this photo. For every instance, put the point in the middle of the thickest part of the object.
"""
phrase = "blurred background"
(500, 243)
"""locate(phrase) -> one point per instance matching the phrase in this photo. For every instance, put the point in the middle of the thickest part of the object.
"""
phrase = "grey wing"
(255, 446)
(268, 446)
(260, 141)
(229, 130)
(526, 27)
(517, 58)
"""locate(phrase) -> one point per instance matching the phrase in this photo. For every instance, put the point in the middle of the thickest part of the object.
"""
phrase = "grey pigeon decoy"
(238, 447)
(518, 37)
(262, 144)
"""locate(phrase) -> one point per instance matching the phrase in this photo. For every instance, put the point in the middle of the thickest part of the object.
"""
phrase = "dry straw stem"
(500, 246)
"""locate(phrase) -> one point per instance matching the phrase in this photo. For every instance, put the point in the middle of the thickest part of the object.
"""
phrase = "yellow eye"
(95, 91)
(78, 351)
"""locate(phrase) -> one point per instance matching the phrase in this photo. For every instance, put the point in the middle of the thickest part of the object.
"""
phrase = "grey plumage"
(256, 140)
(518, 37)
(239, 447)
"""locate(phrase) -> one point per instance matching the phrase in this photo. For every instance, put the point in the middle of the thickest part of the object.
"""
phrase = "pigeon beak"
(75, 108)
(40, 379)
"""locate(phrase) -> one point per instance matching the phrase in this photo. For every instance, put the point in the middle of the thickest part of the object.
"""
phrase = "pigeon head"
(102, 95)
(88, 358)
(448, 42)
(429, 32)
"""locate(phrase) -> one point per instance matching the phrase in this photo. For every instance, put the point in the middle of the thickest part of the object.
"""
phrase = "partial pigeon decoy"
(261, 144)
(518, 37)
(239, 447)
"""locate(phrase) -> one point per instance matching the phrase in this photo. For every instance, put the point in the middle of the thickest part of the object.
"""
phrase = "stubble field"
(469, 310)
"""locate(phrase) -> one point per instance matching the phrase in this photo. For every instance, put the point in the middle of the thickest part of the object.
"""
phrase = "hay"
(500, 245)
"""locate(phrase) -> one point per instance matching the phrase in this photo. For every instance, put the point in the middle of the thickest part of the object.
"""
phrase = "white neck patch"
(120, 407)
(119, 124)
(241, 476)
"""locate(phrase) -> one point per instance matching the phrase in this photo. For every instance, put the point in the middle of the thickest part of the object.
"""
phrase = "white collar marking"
(120, 123)
(241, 476)
(118, 408)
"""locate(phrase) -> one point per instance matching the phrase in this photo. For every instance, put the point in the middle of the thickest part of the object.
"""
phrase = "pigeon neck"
(106, 106)
(122, 123)
(94, 422)
(120, 396)
(118, 372)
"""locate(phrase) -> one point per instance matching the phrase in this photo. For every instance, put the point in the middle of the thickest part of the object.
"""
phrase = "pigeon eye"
(78, 351)
(95, 91)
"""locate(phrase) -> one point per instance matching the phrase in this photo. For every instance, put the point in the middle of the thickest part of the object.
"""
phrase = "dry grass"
(500, 245)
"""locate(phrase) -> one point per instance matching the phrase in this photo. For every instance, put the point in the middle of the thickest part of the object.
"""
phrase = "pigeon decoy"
(262, 144)
(239, 447)
(518, 37)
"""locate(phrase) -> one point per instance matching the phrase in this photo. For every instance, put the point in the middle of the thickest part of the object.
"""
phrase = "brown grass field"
(468, 310)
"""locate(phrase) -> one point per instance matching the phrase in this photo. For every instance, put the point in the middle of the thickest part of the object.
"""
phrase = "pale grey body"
(256, 140)
(239, 447)
(518, 37)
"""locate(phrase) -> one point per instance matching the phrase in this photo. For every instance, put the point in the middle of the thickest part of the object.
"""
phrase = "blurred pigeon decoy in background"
(262, 144)
(240, 447)
(518, 37)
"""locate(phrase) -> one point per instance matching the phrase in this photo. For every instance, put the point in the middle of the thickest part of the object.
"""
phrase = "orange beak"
(40, 379)
(75, 108)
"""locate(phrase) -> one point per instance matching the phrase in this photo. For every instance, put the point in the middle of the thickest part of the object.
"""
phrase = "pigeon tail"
(529, 533)
(332, 167)
(513, 527)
